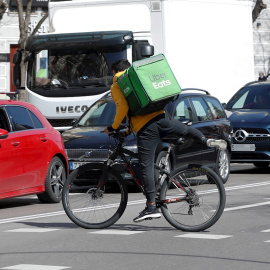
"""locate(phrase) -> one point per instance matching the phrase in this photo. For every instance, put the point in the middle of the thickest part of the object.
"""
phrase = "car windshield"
(251, 97)
(100, 114)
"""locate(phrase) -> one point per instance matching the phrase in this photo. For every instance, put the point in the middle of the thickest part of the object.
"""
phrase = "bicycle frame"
(124, 154)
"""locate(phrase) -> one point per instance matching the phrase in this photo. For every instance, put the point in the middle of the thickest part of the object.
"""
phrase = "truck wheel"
(55, 179)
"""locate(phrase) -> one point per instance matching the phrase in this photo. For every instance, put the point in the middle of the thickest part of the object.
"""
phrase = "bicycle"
(191, 198)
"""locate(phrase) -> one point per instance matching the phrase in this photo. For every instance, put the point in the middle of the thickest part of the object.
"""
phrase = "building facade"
(9, 36)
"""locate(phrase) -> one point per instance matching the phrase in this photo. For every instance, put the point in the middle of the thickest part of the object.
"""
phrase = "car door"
(11, 165)
(206, 124)
(190, 151)
(34, 143)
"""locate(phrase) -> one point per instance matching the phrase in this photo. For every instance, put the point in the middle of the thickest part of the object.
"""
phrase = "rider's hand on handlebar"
(109, 130)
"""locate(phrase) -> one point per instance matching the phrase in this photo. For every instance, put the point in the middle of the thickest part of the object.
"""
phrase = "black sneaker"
(147, 214)
(221, 144)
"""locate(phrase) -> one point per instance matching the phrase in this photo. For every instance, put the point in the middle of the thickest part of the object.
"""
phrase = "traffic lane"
(152, 240)
(241, 174)
(154, 244)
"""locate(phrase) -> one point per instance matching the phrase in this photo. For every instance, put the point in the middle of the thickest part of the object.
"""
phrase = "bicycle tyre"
(207, 202)
(88, 209)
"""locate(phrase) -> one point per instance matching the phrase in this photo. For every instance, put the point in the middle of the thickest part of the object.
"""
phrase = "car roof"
(256, 83)
(14, 102)
(185, 92)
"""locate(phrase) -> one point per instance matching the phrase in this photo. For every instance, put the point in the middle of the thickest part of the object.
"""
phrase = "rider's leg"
(148, 138)
(173, 126)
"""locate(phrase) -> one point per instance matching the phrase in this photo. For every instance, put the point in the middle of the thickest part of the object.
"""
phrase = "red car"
(32, 154)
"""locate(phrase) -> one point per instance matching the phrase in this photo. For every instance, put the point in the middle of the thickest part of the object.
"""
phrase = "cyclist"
(150, 129)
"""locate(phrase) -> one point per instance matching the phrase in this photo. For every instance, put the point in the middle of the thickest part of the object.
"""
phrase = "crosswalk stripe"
(34, 267)
(38, 230)
(204, 236)
(119, 232)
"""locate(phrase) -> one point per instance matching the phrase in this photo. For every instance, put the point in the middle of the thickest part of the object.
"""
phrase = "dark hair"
(120, 65)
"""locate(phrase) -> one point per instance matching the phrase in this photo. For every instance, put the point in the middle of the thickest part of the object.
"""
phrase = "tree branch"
(259, 6)
(40, 23)
(3, 7)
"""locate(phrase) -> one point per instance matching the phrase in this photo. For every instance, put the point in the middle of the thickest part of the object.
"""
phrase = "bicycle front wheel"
(90, 207)
(193, 198)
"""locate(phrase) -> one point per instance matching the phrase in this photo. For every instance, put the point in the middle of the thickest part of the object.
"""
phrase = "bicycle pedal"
(149, 218)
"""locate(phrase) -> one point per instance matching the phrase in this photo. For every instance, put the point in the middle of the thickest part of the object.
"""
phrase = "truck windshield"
(74, 68)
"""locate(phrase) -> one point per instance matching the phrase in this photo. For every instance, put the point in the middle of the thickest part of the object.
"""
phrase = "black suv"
(249, 112)
(84, 142)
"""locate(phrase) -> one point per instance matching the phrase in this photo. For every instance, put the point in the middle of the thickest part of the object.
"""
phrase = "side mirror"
(147, 50)
(17, 75)
(17, 58)
(3, 133)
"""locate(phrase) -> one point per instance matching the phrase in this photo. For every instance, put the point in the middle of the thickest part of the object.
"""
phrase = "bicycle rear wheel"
(200, 206)
(89, 207)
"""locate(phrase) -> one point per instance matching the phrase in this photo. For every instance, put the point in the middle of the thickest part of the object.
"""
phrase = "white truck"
(208, 44)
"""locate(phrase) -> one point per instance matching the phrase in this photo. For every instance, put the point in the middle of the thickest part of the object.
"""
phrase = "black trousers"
(148, 139)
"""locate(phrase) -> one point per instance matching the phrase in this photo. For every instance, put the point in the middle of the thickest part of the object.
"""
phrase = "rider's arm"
(121, 106)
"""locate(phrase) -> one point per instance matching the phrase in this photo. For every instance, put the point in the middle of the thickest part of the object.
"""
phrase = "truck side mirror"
(17, 58)
(147, 50)
(17, 75)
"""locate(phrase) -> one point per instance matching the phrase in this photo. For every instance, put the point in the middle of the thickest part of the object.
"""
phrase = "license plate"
(75, 165)
(243, 147)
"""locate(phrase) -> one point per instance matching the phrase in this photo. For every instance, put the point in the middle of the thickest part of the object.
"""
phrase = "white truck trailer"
(208, 44)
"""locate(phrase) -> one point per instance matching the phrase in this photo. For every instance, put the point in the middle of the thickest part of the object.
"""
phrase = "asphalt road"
(37, 236)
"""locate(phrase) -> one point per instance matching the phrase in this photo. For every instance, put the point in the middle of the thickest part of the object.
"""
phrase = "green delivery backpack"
(148, 85)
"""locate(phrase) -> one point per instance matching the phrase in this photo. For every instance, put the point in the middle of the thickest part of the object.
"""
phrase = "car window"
(3, 120)
(202, 110)
(36, 121)
(183, 110)
(216, 108)
(20, 118)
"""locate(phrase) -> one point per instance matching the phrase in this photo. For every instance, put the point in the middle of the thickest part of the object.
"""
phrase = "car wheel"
(261, 164)
(223, 165)
(55, 179)
(160, 160)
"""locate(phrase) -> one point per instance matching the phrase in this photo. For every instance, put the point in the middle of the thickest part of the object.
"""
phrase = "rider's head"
(120, 65)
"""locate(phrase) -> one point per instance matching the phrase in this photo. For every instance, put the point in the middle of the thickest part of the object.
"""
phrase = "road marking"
(248, 186)
(34, 267)
(119, 232)
(245, 206)
(204, 236)
(266, 230)
(51, 214)
(38, 230)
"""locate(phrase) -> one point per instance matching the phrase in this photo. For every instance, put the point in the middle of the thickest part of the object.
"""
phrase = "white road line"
(16, 219)
(266, 230)
(204, 236)
(245, 206)
(119, 232)
(45, 215)
(34, 267)
(38, 230)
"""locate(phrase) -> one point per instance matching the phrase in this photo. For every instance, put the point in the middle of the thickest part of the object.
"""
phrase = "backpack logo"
(126, 90)
(157, 77)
